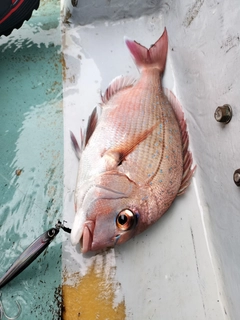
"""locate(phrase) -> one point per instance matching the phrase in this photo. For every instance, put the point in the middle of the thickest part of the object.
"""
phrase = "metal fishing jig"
(3, 312)
(32, 252)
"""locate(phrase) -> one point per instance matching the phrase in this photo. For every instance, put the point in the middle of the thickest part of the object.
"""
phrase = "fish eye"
(125, 220)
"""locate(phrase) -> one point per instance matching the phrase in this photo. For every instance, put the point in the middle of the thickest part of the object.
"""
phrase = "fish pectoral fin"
(111, 158)
(116, 85)
(188, 171)
(116, 155)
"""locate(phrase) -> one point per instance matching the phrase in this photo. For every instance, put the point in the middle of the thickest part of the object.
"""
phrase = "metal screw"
(74, 3)
(223, 114)
(236, 177)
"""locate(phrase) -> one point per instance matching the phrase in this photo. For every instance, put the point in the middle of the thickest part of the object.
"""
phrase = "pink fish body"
(134, 160)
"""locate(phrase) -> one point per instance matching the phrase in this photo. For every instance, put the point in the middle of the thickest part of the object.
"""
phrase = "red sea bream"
(134, 159)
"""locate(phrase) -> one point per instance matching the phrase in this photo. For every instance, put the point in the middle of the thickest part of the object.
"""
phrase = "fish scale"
(149, 143)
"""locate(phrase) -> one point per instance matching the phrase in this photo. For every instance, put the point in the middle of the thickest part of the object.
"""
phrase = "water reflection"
(31, 201)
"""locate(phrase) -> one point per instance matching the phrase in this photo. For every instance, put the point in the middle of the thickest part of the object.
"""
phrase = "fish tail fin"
(154, 57)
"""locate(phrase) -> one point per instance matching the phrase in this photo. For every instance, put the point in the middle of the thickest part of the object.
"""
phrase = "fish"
(134, 158)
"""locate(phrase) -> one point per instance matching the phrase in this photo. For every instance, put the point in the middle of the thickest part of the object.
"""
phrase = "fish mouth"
(87, 236)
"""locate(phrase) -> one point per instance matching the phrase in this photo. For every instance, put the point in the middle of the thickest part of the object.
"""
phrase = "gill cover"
(98, 204)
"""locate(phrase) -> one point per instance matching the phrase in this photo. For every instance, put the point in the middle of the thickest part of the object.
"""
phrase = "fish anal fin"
(116, 85)
(188, 171)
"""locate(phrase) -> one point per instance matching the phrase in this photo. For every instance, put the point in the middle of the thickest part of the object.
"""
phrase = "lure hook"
(3, 312)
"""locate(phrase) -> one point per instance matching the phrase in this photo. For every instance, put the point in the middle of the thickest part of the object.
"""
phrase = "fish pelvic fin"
(75, 145)
(154, 57)
(116, 85)
(91, 126)
(188, 171)
(85, 134)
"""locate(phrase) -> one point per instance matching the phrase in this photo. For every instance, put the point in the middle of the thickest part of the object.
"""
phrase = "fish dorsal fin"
(188, 171)
(116, 85)
(85, 134)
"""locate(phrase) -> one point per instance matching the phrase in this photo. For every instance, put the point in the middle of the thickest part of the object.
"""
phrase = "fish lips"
(87, 241)
(87, 236)
(91, 242)
(84, 232)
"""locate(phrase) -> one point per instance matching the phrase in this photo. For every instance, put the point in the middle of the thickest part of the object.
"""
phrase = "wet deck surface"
(31, 160)
(50, 80)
